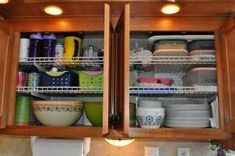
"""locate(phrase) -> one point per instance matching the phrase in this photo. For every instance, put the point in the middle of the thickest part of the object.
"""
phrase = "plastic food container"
(65, 78)
(170, 44)
(201, 45)
(170, 52)
(200, 77)
(147, 80)
(90, 80)
(210, 52)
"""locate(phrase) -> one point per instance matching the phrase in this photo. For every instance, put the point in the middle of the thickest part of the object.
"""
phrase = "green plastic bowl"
(94, 112)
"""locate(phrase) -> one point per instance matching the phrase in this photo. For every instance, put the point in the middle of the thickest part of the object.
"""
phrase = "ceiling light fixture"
(120, 142)
(170, 9)
(53, 10)
(4, 1)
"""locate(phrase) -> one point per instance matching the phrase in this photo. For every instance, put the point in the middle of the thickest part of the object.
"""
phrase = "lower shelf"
(62, 132)
(179, 134)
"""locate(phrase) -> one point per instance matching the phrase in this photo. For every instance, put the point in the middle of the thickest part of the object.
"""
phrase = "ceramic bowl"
(57, 113)
(150, 117)
(94, 112)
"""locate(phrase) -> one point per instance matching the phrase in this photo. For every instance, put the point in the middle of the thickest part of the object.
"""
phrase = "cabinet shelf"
(61, 62)
(206, 91)
(179, 133)
(63, 132)
(173, 64)
(59, 90)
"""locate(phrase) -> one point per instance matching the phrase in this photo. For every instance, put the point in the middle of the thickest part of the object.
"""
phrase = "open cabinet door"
(227, 35)
(4, 72)
(107, 76)
(122, 81)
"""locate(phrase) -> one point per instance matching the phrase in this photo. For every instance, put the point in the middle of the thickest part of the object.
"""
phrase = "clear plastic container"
(170, 44)
(210, 52)
(201, 45)
(200, 77)
(170, 52)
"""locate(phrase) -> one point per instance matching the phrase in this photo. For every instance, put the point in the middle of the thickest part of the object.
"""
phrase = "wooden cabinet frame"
(172, 24)
(85, 24)
(116, 71)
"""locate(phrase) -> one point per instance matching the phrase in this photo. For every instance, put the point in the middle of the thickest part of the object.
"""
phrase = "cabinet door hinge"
(12, 38)
(221, 37)
(226, 119)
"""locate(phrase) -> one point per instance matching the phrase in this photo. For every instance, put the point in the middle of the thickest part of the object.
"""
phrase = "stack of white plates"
(187, 115)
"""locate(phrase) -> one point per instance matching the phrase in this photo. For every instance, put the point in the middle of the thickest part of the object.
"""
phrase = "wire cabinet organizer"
(117, 21)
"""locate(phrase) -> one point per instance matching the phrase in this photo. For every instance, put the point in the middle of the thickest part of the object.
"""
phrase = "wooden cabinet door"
(4, 72)
(122, 81)
(107, 77)
(227, 49)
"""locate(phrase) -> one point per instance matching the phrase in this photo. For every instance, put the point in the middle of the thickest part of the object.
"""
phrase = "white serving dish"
(150, 117)
(57, 113)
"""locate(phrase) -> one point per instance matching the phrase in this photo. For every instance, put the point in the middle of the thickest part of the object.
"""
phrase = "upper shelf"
(63, 62)
(197, 91)
(60, 90)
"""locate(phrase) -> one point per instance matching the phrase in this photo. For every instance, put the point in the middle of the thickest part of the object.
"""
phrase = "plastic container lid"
(37, 36)
(49, 36)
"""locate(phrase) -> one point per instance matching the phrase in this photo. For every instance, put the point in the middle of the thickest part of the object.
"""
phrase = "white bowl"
(150, 103)
(57, 113)
(150, 117)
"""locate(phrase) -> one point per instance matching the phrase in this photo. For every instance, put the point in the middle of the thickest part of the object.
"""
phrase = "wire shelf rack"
(197, 91)
(171, 64)
(59, 61)
(59, 90)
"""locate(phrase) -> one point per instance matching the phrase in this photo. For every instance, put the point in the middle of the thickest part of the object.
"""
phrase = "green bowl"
(94, 112)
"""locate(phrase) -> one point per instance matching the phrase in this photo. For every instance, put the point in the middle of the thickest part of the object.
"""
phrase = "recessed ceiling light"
(170, 9)
(4, 1)
(53, 10)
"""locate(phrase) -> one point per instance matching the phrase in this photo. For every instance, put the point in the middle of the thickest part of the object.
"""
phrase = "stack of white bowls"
(187, 115)
(150, 113)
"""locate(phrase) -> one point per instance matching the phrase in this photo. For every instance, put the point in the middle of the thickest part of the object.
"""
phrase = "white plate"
(187, 122)
(187, 107)
(187, 118)
(189, 112)
(187, 125)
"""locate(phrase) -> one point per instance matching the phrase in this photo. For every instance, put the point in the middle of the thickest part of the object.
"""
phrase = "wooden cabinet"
(4, 70)
(98, 25)
(173, 25)
(136, 17)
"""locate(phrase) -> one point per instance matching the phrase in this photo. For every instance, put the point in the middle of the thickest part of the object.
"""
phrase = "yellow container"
(72, 47)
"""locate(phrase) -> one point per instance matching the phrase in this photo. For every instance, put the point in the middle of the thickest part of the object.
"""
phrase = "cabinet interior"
(146, 66)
